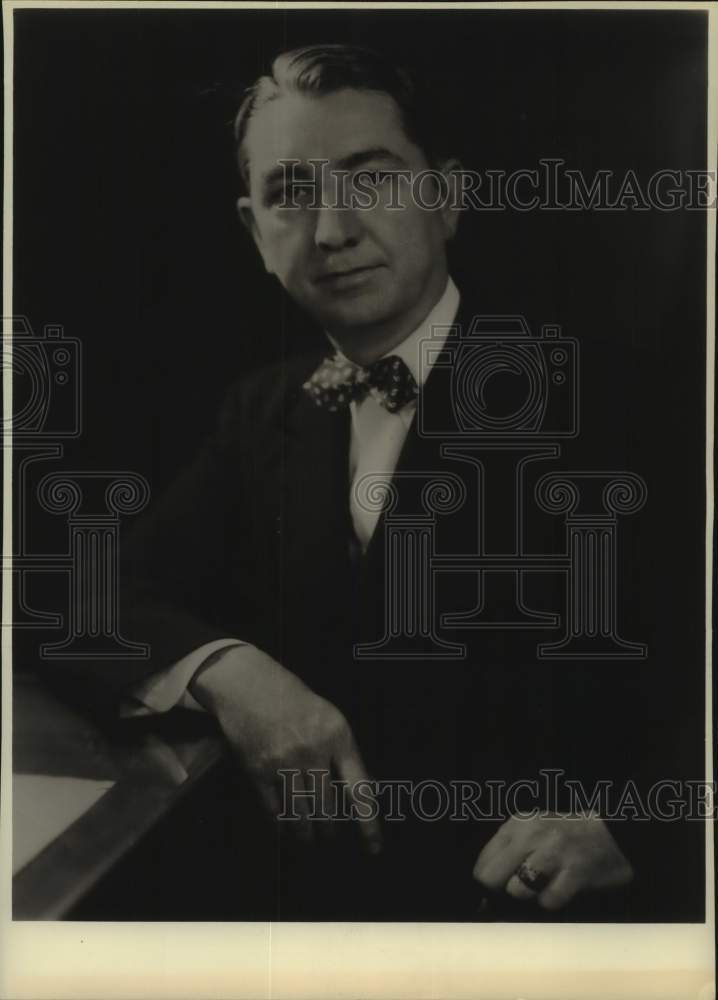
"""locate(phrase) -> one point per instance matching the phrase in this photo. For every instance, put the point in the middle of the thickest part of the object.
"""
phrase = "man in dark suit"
(257, 576)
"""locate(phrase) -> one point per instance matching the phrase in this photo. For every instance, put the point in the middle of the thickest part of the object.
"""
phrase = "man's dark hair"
(323, 69)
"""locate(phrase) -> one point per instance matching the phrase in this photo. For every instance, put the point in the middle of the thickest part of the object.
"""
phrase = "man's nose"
(336, 228)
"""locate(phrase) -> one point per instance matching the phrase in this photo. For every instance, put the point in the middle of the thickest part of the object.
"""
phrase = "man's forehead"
(329, 126)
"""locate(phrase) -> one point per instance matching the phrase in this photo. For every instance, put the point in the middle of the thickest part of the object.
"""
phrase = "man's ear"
(450, 208)
(246, 217)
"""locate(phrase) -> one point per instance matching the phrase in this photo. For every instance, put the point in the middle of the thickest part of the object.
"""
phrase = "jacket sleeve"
(172, 562)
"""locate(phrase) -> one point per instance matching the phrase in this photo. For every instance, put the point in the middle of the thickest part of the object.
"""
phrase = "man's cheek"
(290, 264)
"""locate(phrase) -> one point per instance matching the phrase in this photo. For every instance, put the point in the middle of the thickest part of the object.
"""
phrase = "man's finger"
(494, 847)
(299, 806)
(326, 804)
(495, 867)
(567, 884)
(361, 798)
(540, 868)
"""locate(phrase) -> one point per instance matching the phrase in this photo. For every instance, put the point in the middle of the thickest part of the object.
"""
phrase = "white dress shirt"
(377, 437)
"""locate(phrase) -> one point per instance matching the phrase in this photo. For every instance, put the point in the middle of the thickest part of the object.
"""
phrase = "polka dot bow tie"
(337, 382)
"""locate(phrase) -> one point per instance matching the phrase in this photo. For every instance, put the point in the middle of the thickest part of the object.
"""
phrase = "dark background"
(125, 233)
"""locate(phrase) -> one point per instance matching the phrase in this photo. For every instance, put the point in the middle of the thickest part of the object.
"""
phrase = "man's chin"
(357, 327)
(353, 318)
(364, 294)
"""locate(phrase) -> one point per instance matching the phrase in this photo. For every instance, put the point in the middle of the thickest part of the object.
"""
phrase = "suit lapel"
(315, 490)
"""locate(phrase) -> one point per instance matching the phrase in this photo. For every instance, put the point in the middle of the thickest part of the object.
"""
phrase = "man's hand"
(274, 721)
(563, 855)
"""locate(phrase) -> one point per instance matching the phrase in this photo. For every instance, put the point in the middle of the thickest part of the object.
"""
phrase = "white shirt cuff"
(168, 689)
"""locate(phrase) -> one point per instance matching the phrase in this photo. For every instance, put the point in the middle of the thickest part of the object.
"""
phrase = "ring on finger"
(532, 878)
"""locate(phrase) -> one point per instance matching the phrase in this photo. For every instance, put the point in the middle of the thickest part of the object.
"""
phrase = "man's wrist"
(228, 670)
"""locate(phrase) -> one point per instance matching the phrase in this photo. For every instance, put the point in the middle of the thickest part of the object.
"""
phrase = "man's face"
(355, 270)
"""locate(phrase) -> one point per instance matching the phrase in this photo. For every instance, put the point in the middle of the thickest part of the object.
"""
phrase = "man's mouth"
(346, 275)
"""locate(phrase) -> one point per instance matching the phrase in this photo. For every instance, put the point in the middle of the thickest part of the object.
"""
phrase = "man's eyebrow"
(362, 156)
(284, 171)
(301, 171)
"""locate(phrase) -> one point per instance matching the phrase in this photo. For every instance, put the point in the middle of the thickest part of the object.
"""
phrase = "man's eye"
(299, 194)
(292, 196)
(376, 177)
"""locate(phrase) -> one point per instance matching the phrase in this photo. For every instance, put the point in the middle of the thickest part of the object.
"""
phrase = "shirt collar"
(409, 350)
(435, 328)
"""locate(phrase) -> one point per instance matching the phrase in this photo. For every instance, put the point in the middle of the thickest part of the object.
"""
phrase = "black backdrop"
(125, 233)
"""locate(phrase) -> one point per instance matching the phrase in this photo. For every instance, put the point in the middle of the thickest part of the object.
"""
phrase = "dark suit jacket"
(252, 541)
